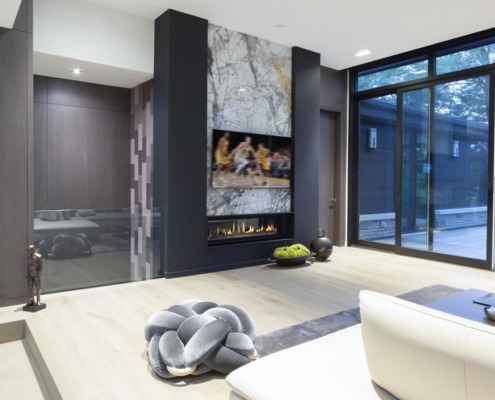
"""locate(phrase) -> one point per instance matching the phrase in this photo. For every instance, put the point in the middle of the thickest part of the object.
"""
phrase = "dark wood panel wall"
(82, 145)
(16, 146)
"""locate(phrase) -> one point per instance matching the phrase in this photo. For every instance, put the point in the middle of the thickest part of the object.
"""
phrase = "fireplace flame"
(243, 229)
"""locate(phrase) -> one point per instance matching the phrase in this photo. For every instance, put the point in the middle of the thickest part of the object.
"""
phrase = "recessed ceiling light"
(76, 71)
(362, 53)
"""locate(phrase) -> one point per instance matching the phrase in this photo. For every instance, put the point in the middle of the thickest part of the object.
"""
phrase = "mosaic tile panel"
(142, 182)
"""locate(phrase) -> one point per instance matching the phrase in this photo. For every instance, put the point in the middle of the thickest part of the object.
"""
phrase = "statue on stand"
(33, 276)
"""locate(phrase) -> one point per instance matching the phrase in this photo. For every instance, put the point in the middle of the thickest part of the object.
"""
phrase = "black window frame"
(431, 53)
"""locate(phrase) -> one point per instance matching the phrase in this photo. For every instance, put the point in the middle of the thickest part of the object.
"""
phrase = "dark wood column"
(305, 131)
(181, 50)
(16, 155)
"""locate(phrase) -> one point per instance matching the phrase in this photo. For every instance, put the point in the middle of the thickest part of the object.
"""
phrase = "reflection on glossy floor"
(95, 270)
(92, 340)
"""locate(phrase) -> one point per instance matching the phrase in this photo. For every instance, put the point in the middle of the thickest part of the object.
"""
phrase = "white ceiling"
(336, 29)
(8, 12)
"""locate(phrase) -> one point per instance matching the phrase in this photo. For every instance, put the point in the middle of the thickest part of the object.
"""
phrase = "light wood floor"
(92, 340)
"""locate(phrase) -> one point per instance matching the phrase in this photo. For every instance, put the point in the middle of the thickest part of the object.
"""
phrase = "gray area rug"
(315, 328)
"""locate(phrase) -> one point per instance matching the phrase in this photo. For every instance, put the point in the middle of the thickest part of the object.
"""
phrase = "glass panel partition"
(94, 247)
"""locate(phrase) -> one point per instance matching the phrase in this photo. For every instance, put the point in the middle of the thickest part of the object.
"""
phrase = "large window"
(392, 75)
(422, 151)
(377, 127)
(465, 59)
(444, 169)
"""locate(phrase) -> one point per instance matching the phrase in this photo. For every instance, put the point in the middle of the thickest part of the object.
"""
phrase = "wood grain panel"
(88, 95)
(40, 84)
(113, 99)
(85, 156)
(333, 89)
(40, 156)
(88, 158)
(30, 121)
(14, 173)
(71, 93)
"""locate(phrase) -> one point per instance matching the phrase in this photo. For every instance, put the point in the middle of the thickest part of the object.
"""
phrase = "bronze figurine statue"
(34, 272)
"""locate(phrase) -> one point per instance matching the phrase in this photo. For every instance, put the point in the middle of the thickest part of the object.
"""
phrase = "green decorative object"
(284, 252)
(291, 256)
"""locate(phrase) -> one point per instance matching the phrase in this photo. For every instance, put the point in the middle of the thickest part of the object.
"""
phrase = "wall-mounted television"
(248, 160)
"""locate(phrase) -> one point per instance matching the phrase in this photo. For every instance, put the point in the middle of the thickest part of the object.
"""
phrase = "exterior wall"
(460, 218)
(381, 226)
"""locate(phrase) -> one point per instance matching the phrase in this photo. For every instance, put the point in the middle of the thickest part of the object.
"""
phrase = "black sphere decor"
(321, 246)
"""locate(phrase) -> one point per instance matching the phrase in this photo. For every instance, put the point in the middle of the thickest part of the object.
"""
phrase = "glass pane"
(377, 133)
(391, 76)
(84, 248)
(416, 168)
(460, 172)
(445, 169)
(483, 55)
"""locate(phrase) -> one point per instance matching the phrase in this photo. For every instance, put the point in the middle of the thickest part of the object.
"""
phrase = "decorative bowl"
(292, 261)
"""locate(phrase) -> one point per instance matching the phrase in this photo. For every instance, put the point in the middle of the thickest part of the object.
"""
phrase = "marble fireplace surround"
(249, 90)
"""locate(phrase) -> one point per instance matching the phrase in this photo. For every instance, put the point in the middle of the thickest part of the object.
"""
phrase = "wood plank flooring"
(92, 340)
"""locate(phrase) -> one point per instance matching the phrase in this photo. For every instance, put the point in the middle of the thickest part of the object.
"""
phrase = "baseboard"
(216, 268)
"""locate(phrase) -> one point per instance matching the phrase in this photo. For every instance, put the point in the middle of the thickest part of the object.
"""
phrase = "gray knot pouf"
(196, 337)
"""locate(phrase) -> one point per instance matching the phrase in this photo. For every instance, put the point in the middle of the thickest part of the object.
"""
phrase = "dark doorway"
(328, 167)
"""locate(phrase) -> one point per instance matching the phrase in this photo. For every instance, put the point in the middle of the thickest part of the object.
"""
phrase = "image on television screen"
(247, 160)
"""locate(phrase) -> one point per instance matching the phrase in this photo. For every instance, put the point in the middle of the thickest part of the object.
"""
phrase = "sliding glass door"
(444, 169)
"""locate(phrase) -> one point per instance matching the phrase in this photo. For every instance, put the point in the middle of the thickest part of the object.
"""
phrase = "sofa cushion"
(416, 352)
(86, 213)
(49, 216)
(330, 367)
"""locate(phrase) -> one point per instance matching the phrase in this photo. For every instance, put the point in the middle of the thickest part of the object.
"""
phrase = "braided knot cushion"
(196, 337)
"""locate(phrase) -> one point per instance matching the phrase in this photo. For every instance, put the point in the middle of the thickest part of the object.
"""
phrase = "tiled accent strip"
(142, 182)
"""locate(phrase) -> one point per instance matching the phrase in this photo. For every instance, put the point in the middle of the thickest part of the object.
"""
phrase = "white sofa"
(409, 350)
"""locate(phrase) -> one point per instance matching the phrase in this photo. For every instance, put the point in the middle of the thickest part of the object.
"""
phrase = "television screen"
(247, 160)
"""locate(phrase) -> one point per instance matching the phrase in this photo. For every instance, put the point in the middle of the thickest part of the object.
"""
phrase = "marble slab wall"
(249, 90)
(142, 263)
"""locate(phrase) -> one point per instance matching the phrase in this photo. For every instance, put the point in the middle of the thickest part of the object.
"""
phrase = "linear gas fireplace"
(247, 228)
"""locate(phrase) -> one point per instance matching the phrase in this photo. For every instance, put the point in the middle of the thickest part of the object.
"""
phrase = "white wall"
(72, 33)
